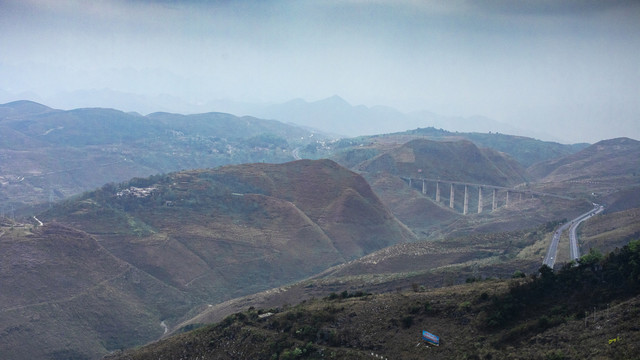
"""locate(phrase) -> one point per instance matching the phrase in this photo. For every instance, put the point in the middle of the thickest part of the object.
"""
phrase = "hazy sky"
(570, 67)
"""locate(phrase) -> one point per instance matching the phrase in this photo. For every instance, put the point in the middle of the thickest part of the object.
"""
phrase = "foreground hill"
(64, 296)
(586, 311)
(115, 267)
(49, 154)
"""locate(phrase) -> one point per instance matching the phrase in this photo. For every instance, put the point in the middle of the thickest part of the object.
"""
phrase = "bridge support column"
(479, 199)
(438, 192)
(409, 182)
(494, 205)
(520, 197)
(506, 203)
(465, 208)
(424, 187)
(452, 194)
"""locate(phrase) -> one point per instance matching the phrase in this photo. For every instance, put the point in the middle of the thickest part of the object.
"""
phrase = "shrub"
(555, 355)
(407, 321)
(427, 306)
(465, 306)
(332, 296)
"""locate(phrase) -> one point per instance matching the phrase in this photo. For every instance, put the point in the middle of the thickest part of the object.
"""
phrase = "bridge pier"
(437, 191)
(409, 182)
(479, 199)
(506, 203)
(465, 208)
(452, 194)
(424, 187)
(494, 205)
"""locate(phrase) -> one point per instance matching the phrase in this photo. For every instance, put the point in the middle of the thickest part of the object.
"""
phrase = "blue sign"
(430, 338)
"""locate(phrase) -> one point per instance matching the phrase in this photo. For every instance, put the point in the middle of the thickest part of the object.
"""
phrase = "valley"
(120, 229)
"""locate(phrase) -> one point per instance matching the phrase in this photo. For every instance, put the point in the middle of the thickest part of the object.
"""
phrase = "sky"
(568, 67)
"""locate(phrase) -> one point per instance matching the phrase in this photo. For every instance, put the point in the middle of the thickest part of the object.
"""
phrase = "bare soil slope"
(601, 161)
(64, 296)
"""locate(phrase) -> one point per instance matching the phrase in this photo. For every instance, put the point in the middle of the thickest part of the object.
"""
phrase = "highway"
(486, 186)
(573, 238)
(296, 153)
(550, 258)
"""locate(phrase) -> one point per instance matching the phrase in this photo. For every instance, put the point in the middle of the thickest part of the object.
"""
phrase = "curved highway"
(550, 259)
(573, 238)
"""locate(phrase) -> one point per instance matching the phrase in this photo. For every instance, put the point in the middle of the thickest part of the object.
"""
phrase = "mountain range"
(333, 115)
(143, 248)
(51, 154)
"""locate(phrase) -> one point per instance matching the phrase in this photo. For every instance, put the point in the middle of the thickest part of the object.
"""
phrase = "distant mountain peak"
(25, 104)
(335, 99)
(23, 107)
(618, 141)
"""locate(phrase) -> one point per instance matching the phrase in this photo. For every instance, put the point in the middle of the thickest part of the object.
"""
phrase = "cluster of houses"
(136, 192)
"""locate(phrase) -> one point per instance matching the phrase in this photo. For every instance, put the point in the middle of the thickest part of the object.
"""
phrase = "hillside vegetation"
(544, 316)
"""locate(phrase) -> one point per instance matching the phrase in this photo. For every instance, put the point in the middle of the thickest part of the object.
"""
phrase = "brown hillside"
(338, 200)
(606, 232)
(604, 160)
(64, 296)
(116, 267)
(217, 234)
(420, 213)
(448, 160)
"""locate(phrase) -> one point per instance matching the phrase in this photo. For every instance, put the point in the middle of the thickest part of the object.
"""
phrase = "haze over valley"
(178, 248)
(319, 180)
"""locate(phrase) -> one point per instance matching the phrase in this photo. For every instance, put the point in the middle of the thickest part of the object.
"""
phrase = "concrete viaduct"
(509, 191)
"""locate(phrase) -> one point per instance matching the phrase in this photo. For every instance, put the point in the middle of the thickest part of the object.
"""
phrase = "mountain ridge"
(611, 157)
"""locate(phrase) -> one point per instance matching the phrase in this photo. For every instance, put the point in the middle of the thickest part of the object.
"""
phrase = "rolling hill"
(526, 151)
(607, 172)
(448, 160)
(111, 265)
(64, 296)
(603, 160)
(49, 154)
(388, 166)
